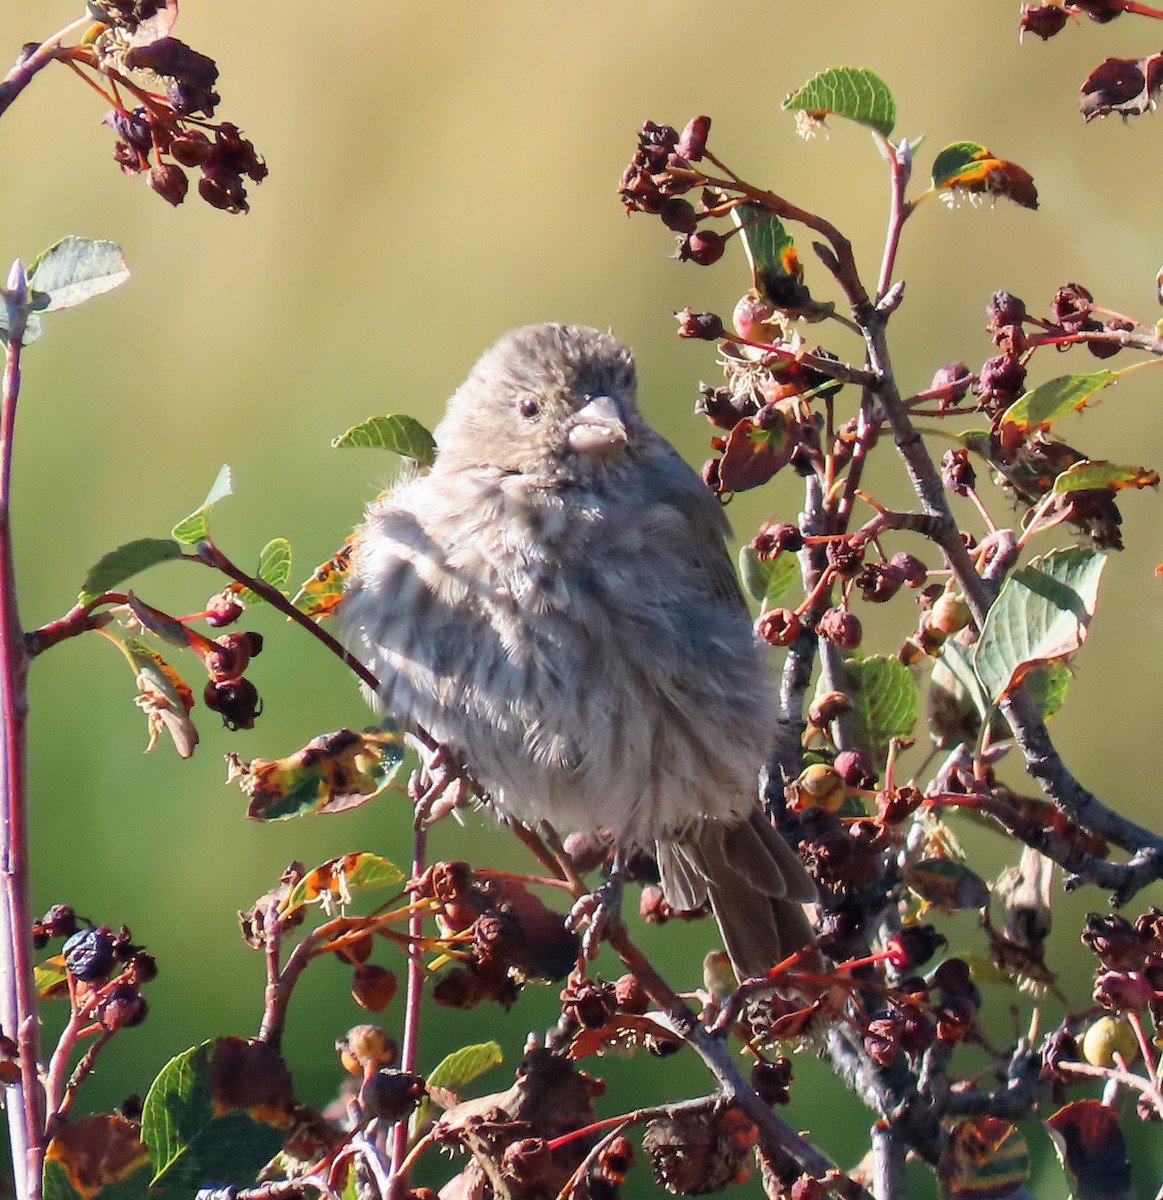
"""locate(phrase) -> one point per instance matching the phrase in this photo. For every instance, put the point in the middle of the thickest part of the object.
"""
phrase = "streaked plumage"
(554, 602)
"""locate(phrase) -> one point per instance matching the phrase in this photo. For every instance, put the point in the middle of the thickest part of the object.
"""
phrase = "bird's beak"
(598, 428)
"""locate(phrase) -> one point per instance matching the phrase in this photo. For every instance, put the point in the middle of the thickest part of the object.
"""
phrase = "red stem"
(899, 213)
(25, 1101)
(409, 1053)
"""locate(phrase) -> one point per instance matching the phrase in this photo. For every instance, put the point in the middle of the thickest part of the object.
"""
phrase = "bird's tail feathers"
(755, 883)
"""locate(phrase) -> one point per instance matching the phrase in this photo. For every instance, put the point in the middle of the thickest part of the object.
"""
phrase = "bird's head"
(552, 402)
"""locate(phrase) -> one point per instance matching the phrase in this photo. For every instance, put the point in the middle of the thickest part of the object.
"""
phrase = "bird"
(555, 604)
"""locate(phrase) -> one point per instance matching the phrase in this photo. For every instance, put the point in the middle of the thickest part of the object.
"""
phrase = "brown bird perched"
(554, 602)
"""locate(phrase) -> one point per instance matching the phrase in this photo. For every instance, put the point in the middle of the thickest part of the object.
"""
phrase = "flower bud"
(954, 376)
(915, 572)
(692, 142)
(912, 946)
(169, 181)
(123, 1008)
(772, 1080)
(365, 1047)
(390, 1094)
(854, 768)
(949, 614)
(235, 700)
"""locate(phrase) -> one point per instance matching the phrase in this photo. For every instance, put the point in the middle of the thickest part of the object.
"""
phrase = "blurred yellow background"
(440, 173)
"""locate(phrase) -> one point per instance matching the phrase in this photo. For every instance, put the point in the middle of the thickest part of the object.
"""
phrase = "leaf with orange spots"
(753, 455)
(1039, 407)
(625, 1034)
(776, 270)
(985, 1158)
(100, 1155)
(162, 694)
(969, 167)
(333, 772)
(318, 596)
(1091, 473)
(335, 881)
(51, 978)
(216, 1113)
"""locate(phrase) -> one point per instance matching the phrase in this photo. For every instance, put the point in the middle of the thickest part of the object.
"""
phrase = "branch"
(20, 76)
(1043, 762)
(777, 1138)
(411, 1049)
(26, 1111)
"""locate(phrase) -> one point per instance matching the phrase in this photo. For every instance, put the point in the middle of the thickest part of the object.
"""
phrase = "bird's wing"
(707, 526)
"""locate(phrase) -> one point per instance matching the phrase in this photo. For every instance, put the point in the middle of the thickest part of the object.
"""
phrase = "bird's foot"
(598, 910)
(439, 786)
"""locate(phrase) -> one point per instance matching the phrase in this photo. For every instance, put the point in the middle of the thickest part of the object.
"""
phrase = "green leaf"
(1055, 398)
(884, 694)
(50, 975)
(1085, 475)
(771, 580)
(1042, 613)
(402, 434)
(776, 270)
(215, 1114)
(76, 268)
(195, 528)
(462, 1066)
(958, 703)
(852, 92)
(1048, 685)
(455, 1071)
(274, 567)
(124, 562)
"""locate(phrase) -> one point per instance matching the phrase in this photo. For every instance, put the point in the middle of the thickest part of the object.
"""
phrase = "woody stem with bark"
(1043, 762)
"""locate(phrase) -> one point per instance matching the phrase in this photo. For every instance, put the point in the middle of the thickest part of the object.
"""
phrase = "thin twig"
(409, 1055)
(26, 1111)
(20, 76)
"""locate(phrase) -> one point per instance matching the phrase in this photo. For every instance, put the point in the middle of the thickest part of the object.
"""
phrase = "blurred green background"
(440, 173)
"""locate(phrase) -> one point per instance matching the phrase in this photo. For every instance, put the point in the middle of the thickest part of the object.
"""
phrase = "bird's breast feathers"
(490, 608)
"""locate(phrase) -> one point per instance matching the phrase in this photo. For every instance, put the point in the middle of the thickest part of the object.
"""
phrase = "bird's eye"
(528, 407)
